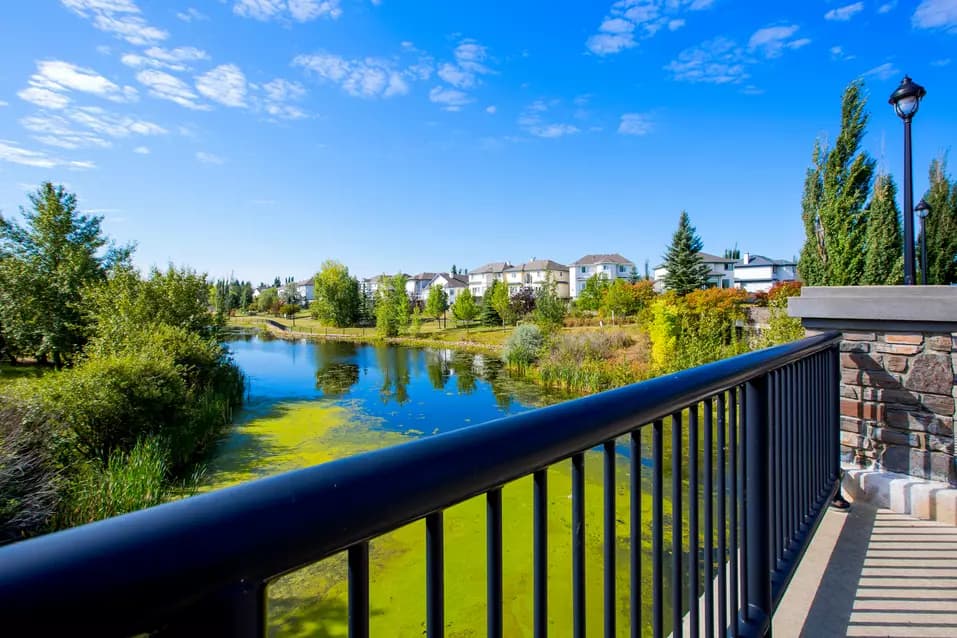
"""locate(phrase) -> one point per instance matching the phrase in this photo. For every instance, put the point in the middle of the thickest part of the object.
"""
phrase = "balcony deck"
(873, 572)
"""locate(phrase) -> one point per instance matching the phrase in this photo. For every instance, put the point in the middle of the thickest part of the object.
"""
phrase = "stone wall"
(898, 373)
(898, 401)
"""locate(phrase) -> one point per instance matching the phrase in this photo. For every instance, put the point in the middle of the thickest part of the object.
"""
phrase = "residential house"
(307, 291)
(453, 285)
(370, 285)
(417, 285)
(481, 278)
(534, 273)
(720, 272)
(757, 273)
(610, 267)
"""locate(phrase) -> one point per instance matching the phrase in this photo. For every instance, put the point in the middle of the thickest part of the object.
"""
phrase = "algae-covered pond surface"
(312, 402)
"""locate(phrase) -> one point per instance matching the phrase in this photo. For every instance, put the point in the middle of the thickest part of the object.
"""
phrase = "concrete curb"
(927, 500)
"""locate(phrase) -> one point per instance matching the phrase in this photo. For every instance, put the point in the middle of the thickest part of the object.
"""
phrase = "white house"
(720, 272)
(370, 286)
(417, 285)
(757, 273)
(306, 290)
(534, 273)
(610, 267)
(481, 278)
(453, 285)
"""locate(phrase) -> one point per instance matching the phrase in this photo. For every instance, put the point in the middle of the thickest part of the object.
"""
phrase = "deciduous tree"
(941, 225)
(337, 295)
(465, 309)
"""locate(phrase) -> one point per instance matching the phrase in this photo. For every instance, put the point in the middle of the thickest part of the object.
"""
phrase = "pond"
(312, 402)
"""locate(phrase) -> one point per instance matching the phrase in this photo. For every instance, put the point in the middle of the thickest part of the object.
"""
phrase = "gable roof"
(537, 264)
(613, 258)
(708, 258)
(453, 281)
(424, 276)
(492, 267)
(761, 260)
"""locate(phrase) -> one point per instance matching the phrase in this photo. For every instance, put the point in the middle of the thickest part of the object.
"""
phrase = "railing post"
(758, 507)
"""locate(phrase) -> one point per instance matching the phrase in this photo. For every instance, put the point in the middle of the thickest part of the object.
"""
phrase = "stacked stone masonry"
(898, 395)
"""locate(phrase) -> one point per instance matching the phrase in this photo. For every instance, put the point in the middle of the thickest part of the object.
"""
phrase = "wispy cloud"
(278, 94)
(177, 59)
(845, 13)
(191, 15)
(490, 109)
(16, 154)
(635, 124)
(298, 10)
(470, 63)
(838, 53)
(534, 122)
(209, 158)
(941, 62)
(225, 84)
(55, 78)
(629, 20)
(936, 14)
(887, 7)
(771, 41)
(884, 71)
(368, 77)
(142, 150)
(168, 87)
(449, 99)
(715, 61)
(122, 18)
(96, 127)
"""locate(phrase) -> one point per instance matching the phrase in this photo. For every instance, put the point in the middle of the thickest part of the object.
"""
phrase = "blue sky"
(261, 137)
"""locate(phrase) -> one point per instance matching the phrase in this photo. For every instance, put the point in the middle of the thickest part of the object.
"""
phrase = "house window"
(621, 268)
(584, 269)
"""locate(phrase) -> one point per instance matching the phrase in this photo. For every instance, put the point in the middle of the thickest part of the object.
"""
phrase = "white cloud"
(167, 87)
(160, 58)
(884, 71)
(533, 122)
(120, 17)
(96, 125)
(2, 104)
(298, 10)
(717, 61)
(628, 20)
(368, 78)
(887, 7)
(56, 77)
(936, 14)
(941, 62)
(191, 15)
(54, 130)
(450, 99)
(838, 53)
(208, 158)
(15, 154)
(845, 13)
(225, 84)
(278, 94)
(491, 109)
(771, 41)
(635, 124)
(456, 76)
(142, 150)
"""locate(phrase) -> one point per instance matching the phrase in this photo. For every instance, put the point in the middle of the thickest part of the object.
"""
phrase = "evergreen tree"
(732, 253)
(883, 261)
(941, 225)
(835, 193)
(488, 316)
(686, 270)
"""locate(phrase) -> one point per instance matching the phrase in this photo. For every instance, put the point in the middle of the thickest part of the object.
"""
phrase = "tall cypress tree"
(835, 220)
(941, 225)
(883, 261)
(686, 270)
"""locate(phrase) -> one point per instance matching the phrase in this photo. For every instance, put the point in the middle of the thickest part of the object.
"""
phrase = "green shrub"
(523, 346)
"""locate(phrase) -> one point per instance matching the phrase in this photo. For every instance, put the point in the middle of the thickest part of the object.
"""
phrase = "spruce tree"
(835, 193)
(686, 270)
(941, 225)
(883, 260)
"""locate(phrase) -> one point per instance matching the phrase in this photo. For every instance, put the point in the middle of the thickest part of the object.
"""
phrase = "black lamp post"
(922, 210)
(906, 100)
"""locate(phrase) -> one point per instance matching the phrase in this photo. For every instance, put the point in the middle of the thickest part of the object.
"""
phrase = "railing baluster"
(693, 519)
(757, 551)
(435, 575)
(733, 508)
(635, 598)
(541, 554)
(791, 453)
(834, 418)
(775, 467)
(657, 532)
(578, 545)
(359, 590)
(722, 520)
(708, 519)
(743, 434)
(676, 526)
(494, 559)
(609, 566)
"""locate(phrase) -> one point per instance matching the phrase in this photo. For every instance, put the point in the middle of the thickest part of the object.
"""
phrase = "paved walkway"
(872, 572)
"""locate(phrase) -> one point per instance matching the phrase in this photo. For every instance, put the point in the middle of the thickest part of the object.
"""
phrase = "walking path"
(872, 572)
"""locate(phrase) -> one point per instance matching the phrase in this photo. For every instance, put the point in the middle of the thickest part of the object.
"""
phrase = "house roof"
(537, 264)
(424, 276)
(761, 260)
(708, 258)
(493, 267)
(307, 282)
(454, 281)
(613, 258)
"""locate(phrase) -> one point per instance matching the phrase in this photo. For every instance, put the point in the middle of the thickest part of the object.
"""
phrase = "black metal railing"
(753, 461)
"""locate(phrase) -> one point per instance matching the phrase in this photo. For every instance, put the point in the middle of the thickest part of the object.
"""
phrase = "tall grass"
(589, 361)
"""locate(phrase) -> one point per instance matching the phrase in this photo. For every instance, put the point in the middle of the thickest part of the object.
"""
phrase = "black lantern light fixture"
(922, 210)
(906, 100)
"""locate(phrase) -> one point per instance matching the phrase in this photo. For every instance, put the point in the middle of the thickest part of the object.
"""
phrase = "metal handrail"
(137, 571)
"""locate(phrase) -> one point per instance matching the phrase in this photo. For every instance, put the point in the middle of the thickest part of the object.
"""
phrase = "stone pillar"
(898, 372)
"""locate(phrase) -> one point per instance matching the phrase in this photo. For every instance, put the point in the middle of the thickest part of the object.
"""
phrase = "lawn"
(10, 373)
